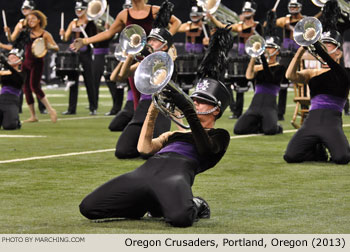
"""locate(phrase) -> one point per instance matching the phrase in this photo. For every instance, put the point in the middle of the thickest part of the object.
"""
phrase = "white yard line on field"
(19, 136)
(55, 156)
(109, 150)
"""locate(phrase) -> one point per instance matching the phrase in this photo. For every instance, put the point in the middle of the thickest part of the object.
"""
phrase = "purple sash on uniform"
(241, 48)
(98, 51)
(129, 97)
(194, 48)
(290, 44)
(324, 101)
(145, 97)
(267, 89)
(10, 90)
(182, 148)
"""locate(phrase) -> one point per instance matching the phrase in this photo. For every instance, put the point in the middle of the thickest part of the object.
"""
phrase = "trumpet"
(255, 46)
(154, 75)
(307, 32)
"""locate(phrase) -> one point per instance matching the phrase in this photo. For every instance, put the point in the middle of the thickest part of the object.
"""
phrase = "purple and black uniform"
(9, 98)
(85, 59)
(323, 126)
(162, 185)
(261, 116)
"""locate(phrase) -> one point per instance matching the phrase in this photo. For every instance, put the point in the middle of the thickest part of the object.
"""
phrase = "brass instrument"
(255, 46)
(96, 11)
(152, 76)
(220, 11)
(307, 32)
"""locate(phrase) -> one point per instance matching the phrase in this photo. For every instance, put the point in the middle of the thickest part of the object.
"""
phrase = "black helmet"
(28, 4)
(333, 37)
(81, 5)
(196, 11)
(214, 92)
(249, 6)
(163, 35)
(294, 4)
(273, 41)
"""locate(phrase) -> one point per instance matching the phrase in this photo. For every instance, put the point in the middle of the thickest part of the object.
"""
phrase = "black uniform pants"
(261, 117)
(86, 61)
(322, 126)
(9, 109)
(122, 118)
(162, 186)
(127, 142)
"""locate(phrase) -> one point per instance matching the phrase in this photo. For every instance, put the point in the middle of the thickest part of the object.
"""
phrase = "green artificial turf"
(251, 190)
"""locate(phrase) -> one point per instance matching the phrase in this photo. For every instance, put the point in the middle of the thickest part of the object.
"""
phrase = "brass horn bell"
(307, 32)
(154, 75)
(255, 46)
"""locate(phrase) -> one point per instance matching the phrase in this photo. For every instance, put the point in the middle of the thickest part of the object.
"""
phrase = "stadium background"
(53, 9)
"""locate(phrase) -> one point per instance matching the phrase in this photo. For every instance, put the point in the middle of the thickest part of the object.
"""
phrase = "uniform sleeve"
(274, 77)
(340, 71)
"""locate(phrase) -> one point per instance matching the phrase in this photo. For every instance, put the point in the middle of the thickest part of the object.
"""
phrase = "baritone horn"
(306, 33)
(96, 11)
(255, 46)
(220, 11)
(154, 75)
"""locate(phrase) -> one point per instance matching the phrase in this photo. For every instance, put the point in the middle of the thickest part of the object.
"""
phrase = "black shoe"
(44, 111)
(68, 113)
(347, 113)
(202, 207)
(280, 118)
(93, 112)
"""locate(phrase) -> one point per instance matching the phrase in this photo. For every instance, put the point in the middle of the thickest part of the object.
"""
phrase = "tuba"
(96, 11)
(222, 13)
(255, 46)
(152, 76)
(307, 32)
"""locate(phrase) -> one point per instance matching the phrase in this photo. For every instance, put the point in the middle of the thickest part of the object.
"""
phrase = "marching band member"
(329, 88)
(287, 23)
(332, 9)
(19, 39)
(245, 29)
(195, 36)
(141, 14)
(261, 116)
(162, 185)
(33, 66)
(12, 81)
(160, 39)
(85, 58)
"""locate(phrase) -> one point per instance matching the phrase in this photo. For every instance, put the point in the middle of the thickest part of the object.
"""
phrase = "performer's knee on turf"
(182, 218)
